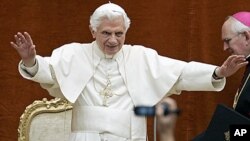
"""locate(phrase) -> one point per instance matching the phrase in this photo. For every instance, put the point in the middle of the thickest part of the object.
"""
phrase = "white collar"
(248, 56)
(100, 53)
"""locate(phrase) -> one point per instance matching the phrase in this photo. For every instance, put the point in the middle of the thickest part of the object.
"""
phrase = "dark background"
(181, 29)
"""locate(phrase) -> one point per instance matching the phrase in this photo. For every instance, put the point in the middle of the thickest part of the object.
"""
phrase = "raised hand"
(25, 48)
(231, 65)
(166, 124)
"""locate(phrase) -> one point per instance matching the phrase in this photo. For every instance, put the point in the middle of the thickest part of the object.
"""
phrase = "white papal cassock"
(137, 76)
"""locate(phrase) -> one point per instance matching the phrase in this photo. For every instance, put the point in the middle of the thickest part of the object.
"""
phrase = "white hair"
(237, 26)
(110, 11)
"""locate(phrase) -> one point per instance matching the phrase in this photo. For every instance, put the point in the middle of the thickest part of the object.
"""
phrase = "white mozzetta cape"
(148, 76)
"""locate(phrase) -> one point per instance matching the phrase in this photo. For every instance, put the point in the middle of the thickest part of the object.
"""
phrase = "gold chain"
(107, 91)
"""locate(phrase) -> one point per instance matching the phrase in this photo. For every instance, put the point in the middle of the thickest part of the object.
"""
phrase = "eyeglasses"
(227, 40)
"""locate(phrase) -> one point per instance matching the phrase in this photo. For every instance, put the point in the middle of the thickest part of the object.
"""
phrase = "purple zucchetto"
(243, 17)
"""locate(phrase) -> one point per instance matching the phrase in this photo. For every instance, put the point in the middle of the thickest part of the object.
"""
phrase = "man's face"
(234, 43)
(110, 35)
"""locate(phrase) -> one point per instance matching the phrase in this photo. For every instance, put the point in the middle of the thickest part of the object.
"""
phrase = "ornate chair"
(45, 120)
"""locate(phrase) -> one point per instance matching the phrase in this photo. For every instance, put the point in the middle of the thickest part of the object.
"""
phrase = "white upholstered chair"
(45, 120)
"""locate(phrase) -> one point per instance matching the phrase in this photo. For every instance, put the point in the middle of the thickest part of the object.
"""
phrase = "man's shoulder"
(137, 48)
(73, 47)
(71, 50)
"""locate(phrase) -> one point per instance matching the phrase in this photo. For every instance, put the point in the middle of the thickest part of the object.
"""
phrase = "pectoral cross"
(106, 93)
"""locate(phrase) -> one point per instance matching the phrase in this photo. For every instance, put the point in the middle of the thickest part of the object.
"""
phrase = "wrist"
(29, 62)
(216, 75)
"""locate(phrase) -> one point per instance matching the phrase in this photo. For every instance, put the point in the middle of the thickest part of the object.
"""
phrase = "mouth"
(111, 46)
(233, 53)
(230, 51)
(111, 49)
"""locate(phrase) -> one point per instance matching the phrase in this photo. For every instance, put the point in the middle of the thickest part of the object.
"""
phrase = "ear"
(92, 32)
(247, 34)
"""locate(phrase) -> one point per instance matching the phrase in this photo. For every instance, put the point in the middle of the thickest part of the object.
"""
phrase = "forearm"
(32, 70)
(199, 77)
(41, 72)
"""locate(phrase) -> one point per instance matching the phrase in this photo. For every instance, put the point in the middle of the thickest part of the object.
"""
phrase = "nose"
(112, 39)
(225, 46)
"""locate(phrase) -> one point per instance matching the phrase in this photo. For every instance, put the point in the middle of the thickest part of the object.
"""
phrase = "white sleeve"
(198, 77)
(29, 70)
(43, 73)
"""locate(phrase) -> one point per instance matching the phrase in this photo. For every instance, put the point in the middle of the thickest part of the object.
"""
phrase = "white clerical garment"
(105, 89)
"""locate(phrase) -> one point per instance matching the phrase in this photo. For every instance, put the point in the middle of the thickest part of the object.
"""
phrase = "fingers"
(22, 41)
(171, 106)
(21, 38)
(166, 123)
(159, 110)
(18, 40)
(13, 45)
(233, 58)
(33, 50)
(28, 38)
(232, 64)
(243, 64)
(171, 102)
(24, 38)
(238, 61)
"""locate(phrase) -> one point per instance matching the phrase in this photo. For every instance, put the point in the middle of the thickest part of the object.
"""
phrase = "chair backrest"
(45, 120)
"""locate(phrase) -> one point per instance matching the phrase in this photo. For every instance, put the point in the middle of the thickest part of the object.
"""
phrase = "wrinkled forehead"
(115, 23)
(226, 28)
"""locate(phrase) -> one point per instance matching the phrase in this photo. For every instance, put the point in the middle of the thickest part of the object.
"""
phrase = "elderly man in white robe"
(106, 79)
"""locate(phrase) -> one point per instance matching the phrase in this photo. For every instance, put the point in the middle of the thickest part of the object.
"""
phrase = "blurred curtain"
(186, 30)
